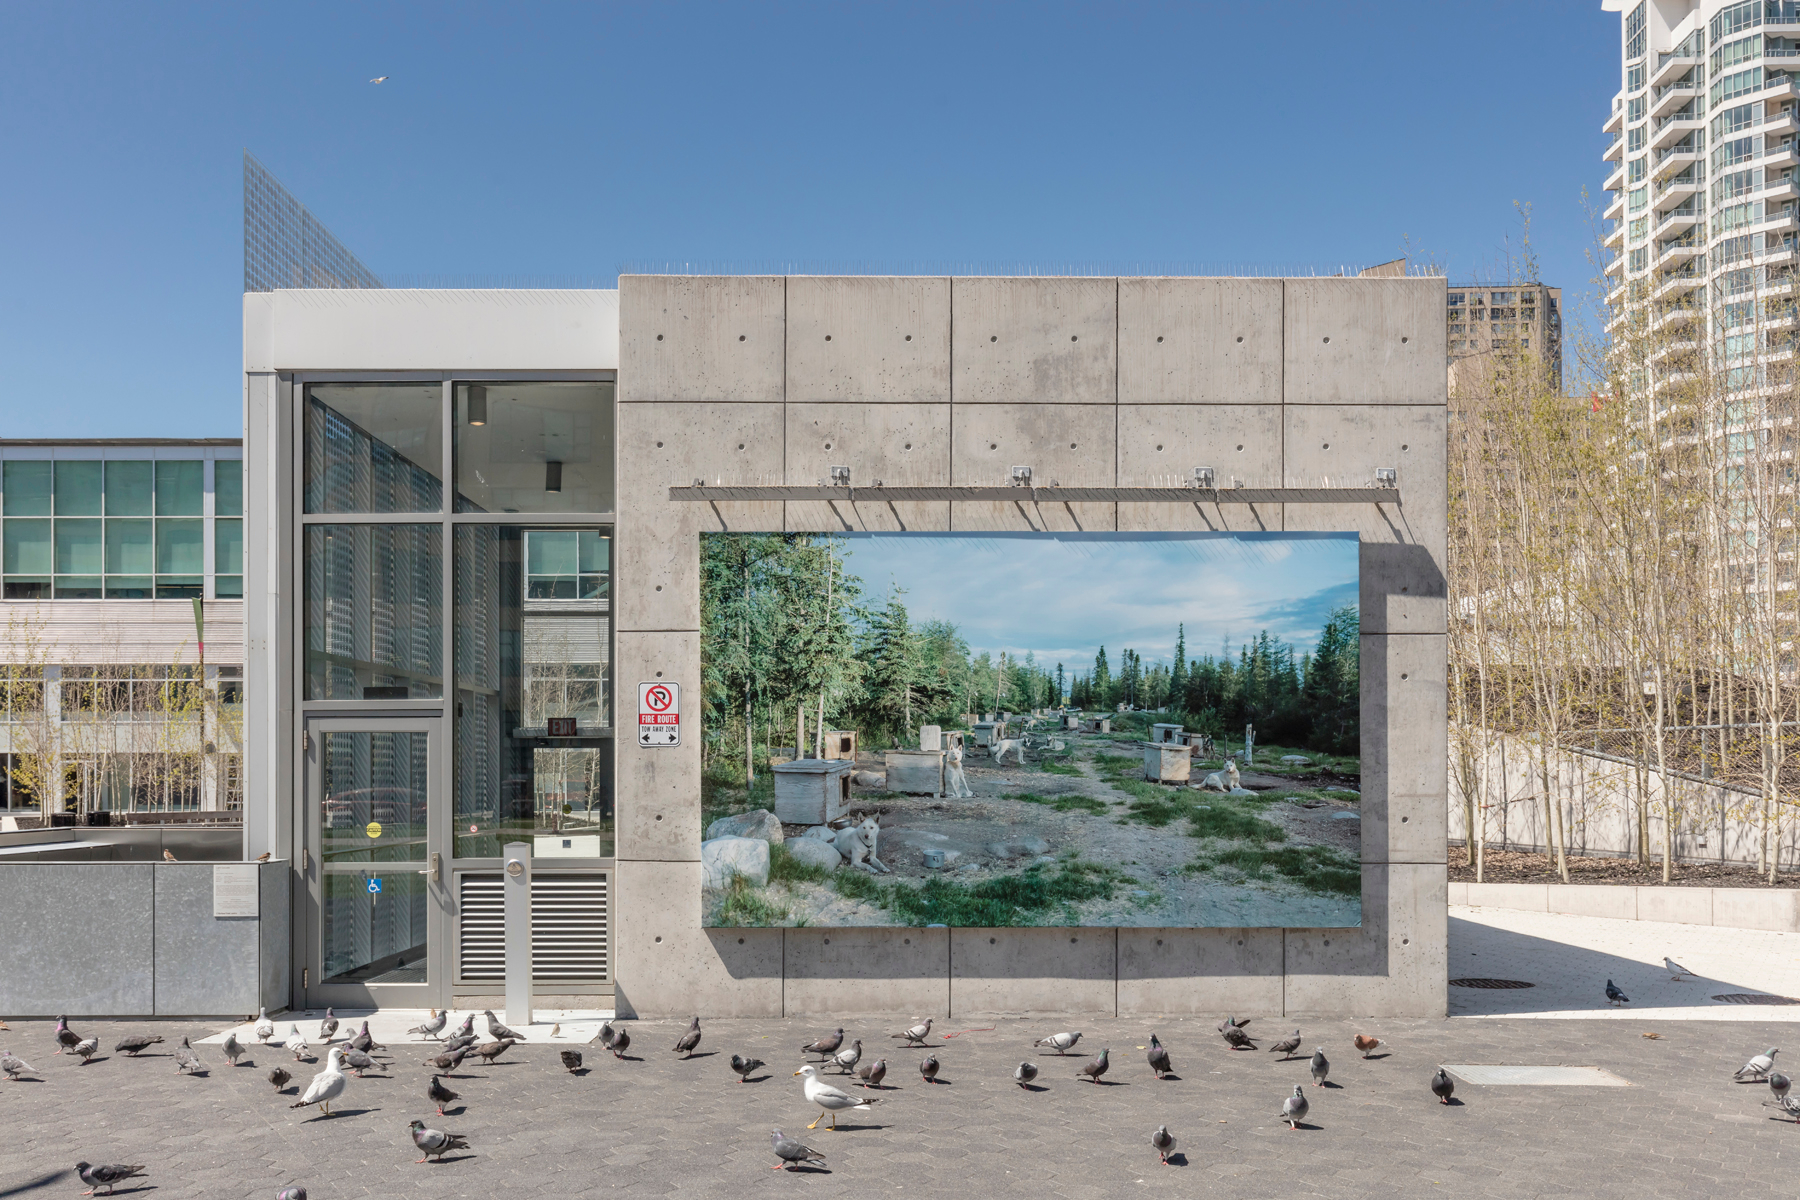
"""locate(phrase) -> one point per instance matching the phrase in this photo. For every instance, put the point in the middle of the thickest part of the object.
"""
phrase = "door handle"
(436, 867)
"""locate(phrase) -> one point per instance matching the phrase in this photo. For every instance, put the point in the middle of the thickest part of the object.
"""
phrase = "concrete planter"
(1775, 909)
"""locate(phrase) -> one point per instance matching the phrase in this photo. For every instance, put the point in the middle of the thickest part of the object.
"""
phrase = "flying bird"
(1442, 1086)
(792, 1154)
(1293, 1109)
(384, 79)
(1286, 1046)
(439, 1095)
(1758, 1067)
(873, 1073)
(744, 1067)
(1094, 1067)
(327, 1085)
(279, 1078)
(1368, 1045)
(831, 1100)
(928, 1069)
(1024, 1073)
(686, 1042)
(826, 1046)
(572, 1060)
(135, 1043)
(1159, 1058)
(265, 1028)
(1062, 1043)
(435, 1141)
(1162, 1141)
(916, 1035)
(105, 1176)
(1614, 995)
(496, 1030)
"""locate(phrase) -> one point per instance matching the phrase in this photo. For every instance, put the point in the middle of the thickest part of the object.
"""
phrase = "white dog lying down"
(1007, 746)
(1225, 780)
(857, 844)
(956, 784)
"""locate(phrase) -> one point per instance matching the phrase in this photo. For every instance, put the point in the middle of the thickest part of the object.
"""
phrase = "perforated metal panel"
(568, 927)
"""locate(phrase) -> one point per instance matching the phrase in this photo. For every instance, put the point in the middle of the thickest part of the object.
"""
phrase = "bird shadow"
(1167, 1075)
(95, 1058)
(806, 1169)
(458, 1111)
(1177, 1159)
(1304, 1125)
(1375, 1057)
(579, 1071)
(21, 1079)
(203, 1073)
(628, 1058)
(1453, 1102)
(289, 1091)
(32, 1185)
(1741, 1082)
(451, 1158)
(375, 1075)
(940, 1082)
(1104, 1082)
(1034, 1087)
(849, 1128)
(755, 1078)
(342, 1112)
(702, 1054)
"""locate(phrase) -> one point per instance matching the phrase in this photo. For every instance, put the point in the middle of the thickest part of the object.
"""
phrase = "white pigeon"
(1758, 1067)
(1675, 969)
(265, 1028)
(296, 1041)
(829, 1099)
(379, 79)
(327, 1085)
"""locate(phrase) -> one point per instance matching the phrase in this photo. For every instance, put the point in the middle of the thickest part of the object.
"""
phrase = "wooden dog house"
(1165, 762)
(839, 743)
(812, 791)
(915, 772)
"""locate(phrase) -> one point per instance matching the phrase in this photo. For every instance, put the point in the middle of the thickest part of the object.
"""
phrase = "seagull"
(792, 1154)
(297, 1042)
(265, 1028)
(1293, 1109)
(1162, 1141)
(1237, 1039)
(492, 1050)
(687, 1041)
(439, 1095)
(1024, 1073)
(86, 1048)
(1094, 1067)
(327, 1085)
(435, 1141)
(65, 1037)
(825, 1046)
(1159, 1058)
(873, 1073)
(432, 1027)
(383, 79)
(1320, 1066)
(169, 856)
(1614, 995)
(848, 1057)
(496, 1030)
(744, 1067)
(1779, 1084)
(1286, 1046)
(1062, 1043)
(1368, 1045)
(233, 1048)
(572, 1060)
(1759, 1066)
(829, 1099)
(1675, 969)
(328, 1026)
(14, 1066)
(186, 1059)
(105, 1176)
(1441, 1085)
(133, 1044)
(916, 1035)
(279, 1077)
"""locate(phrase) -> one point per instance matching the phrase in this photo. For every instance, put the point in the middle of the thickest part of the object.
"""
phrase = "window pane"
(77, 547)
(374, 620)
(228, 587)
(228, 488)
(129, 587)
(128, 489)
(534, 447)
(78, 489)
(179, 488)
(228, 547)
(130, 547)
(374, 447)
(373, 809)
(78, 587)
(27, 545)
(27, 487)
(179, 545)
(177, 587)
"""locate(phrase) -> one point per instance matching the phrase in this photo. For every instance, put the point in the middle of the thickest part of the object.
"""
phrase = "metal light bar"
(1047, 495)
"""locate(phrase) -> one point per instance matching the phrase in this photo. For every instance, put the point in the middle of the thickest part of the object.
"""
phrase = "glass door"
(376, 828)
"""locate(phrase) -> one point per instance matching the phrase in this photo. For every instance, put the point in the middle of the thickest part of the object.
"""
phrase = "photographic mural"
(994, 729)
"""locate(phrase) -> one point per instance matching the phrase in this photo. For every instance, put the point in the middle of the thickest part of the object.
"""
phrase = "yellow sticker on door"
(374, 829)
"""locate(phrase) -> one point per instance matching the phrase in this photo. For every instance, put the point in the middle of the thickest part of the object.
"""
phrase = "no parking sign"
(659, 714)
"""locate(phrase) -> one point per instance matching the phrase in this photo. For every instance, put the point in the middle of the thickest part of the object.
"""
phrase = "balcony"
(1681, 343)
(1615, 182)
(1780, 155)
(1781, 123)
(1672, 192)
(1616, 122)
(1614, 240)
(1616, 210)
(1670, 67)
(1677, 285)
(1681, 251)
(1678, 219)
(1782, 190)
(1666, 100)
(1682, 312)
(1673, 128)
(1615, 149)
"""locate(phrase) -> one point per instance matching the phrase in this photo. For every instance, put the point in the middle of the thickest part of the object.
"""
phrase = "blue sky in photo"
(1062, 596)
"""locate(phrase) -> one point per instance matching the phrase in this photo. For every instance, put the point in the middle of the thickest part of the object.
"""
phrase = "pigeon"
(1779, 1084)
(362, 1041)
(383, 79)
(448, 1061)
(916, 1035)
(928, 1069)
(327, 1085)
(556, 1030)
(327, 1027)
(792, 1154)
(831, 1100)
(1024, 1073)
(233, 1048)
(873, 1073)
(297, 1043)
(1759, 1067)
(848, 1057)
(1293, 1109)
(1162, 1141)
(686, 1042)
(66, 1038)
(279, 1078)
(604, 1039)
(1062, 1043)
(1442, 1086)
(105, 1176)
(1614, 995)
(1159, 1058)
(265, 1028)
(621, 1043)
(169, 856)
(86, 1048)
(1368, 1045)
(296, 1192)
(357, 1061)
(496, 1030)
(460, 1042)
(14, 1067)
(135, 1043)
(1232, 1023)
(186, 1059)
(572, 1060)
(492, 1050)
(825, 1047)
(1675, 969)
(744, 1067)
(1094, 1067)
(433, 1027)
(435, 1141)
(1237, 1039)
(1286, 1046)
(1787, 1104)
(439, 1095)
(1320, 1066)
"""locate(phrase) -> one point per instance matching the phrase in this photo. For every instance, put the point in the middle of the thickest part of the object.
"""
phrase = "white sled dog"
(956, 783)
(857, 844)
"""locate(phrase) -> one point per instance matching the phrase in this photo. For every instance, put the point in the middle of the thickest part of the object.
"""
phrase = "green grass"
(1059, 768)
(747, 904)
(1004, 901)
(1085, 804)
(785, 868)
(1316, 868)
(1207, 814)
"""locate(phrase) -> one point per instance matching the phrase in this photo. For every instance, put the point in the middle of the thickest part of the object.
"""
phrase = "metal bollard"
(516, 887)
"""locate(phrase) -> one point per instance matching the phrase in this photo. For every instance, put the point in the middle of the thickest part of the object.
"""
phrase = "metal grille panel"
(568, 927)
(285, 246)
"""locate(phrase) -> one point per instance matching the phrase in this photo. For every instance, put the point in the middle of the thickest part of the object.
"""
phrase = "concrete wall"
(1099, 382)
(1734, 908)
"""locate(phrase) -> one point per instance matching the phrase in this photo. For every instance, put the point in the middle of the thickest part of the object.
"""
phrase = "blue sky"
(524, 142)
(1062, 596)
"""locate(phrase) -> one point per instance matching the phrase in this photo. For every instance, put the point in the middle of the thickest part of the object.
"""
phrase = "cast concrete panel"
(658, 814)
(1072, 444)
(1394, 965)
(1199, 971)
(898, 444)
(1405, 750)
(843, 972)
(60, 958)
(1459, 893)
(274, 886)
(205, 965)
(1619, 903)
(1200, 341)
(657, 577)
(1404, 545)
(1161, 444)
(666, 965)
(868, 339)
(1034, 341)
(1025, 971)
(1755, 908)
(1684, 906)
(1364, 341)
(701, 338)
(1529, 897)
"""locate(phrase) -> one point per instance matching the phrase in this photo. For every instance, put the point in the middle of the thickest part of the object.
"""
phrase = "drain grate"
(1750, 998)
(1493, 983)
(1537, 1076)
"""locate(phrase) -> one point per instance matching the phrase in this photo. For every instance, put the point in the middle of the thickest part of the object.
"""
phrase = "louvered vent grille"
(568, 927)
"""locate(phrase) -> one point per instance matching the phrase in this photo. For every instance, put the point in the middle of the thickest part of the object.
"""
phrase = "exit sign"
(562, 727)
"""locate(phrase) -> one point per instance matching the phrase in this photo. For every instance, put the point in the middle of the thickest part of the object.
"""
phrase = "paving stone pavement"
(660, 1126)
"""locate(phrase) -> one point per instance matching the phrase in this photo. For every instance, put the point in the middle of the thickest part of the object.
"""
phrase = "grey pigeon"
(234, 1049)
(185, 1058)
(917, 1034)
(362, 1041)
(1237, 1039)
(572, 1060)
(492, 1050)
(621, 1043)
(1614, 995)
(744, 1067)
(107, 1177)
(1787, 1104)
(1293, 1109)
(66, 1038)
(825, 1047)
(496, 1030)
(435, 1141)
(1062, 1043)
(328, 1027)
(279, 1077)
(449, 1060)
(133, 1044)
(86, 1047)
(14, 1066)
(848, 1057)
(1286, 1046)
(357, 1061)
(291, 1193)
(873, 1073)
(929, 1068)
(792, 1154)
(1758, 1067)
(438, 1094)
(1442, 1086)
(461, 1041)
(1024, 1073)
(1094, 1067)
(1162, 1141)
(434, 1026)
(1159, 1058)
(296, 1044)
(1319, 1066)
(1779, 1084)
(684, 1045)
(265, 1028)
(1232, 1023)
(604, 1039)
(467, 1027)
